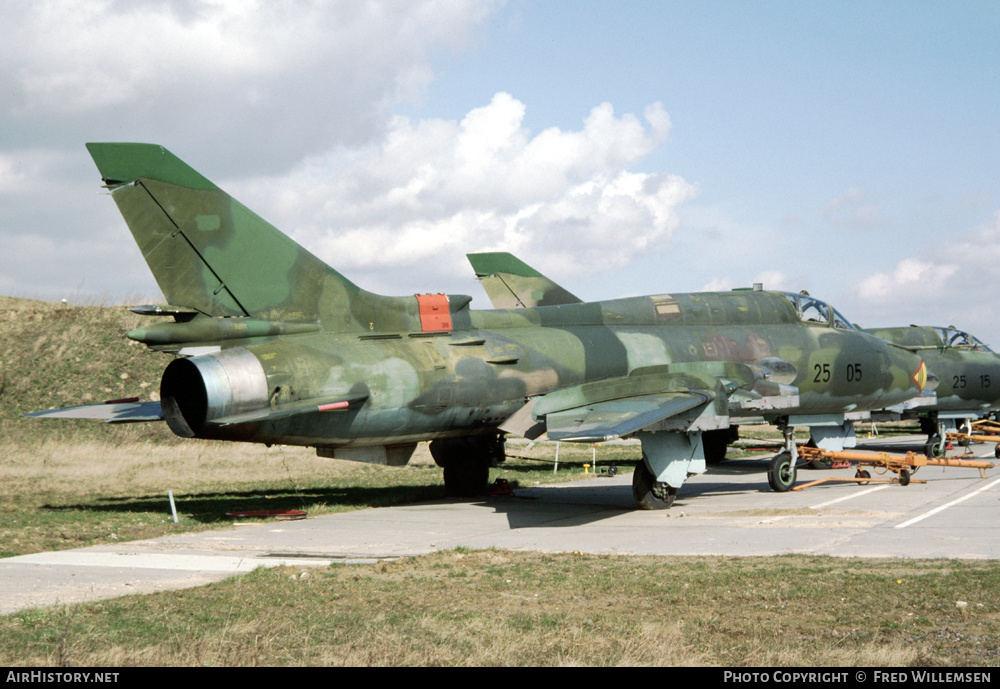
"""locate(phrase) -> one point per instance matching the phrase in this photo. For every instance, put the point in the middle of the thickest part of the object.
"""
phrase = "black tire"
(649, 493)
(466, 466)
(446, 451)
(861, 473)
(904, 477)
(467, 478)
(781, 473)
(934, 447)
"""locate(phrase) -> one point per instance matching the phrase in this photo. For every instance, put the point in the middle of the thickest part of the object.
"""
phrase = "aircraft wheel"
(996, 451)
(934, 447)
(649, 493)
(904, 477)
(466, 466)
(466, 478)
(861, 473)
(781, 473)
(444, 451)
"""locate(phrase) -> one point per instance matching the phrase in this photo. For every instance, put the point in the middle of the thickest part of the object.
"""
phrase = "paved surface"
(728, 511)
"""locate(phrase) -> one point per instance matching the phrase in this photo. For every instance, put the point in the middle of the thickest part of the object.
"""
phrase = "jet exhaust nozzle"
(197, 390)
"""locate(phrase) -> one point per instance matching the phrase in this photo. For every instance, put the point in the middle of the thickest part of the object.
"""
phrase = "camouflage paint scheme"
(511, 283)
(507, 279)
(277, 347)
(968, 372)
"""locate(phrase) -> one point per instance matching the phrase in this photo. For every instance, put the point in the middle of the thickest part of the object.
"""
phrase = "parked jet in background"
(279, 348)
(509, 281)
(968, 372)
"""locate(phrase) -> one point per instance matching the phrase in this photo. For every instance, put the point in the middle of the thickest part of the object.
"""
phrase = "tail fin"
(209, 252)
(511, 283)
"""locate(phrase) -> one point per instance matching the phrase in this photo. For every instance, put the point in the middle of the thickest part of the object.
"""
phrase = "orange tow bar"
(982, 431)
(882, 463)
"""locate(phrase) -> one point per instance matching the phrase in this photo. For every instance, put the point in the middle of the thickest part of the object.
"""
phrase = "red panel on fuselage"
(435, 316)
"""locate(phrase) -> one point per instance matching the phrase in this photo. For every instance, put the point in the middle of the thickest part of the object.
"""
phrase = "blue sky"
(846, 148)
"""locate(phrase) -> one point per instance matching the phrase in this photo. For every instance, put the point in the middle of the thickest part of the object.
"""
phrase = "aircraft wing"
(618, 407)
(618, 418)
(511, 283)
(127, 411)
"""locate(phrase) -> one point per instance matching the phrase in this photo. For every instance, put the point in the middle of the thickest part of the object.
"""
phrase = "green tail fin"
(512, 284)
(210, 253)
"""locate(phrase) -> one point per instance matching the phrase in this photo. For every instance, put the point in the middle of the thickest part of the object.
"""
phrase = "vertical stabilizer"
(209, 252)
(513, 284)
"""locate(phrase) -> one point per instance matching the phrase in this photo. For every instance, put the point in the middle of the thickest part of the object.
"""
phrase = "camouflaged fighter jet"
(512, 283)
(968, 372)
(277, 347)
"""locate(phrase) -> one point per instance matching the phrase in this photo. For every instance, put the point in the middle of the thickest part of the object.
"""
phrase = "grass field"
(70, 484)
(455, 607)
(474, 608)
(58, 495)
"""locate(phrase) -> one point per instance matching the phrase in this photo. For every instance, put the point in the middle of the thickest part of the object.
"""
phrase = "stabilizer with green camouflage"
(211, 254)
(511, 283)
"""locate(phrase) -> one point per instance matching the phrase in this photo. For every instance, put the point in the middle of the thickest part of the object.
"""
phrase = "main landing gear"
(466, 463)
(649, 493)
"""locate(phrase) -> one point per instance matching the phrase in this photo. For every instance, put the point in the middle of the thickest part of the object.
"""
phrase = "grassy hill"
(54, 355)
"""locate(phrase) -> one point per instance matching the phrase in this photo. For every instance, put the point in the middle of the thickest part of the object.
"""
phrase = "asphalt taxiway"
(942, 513)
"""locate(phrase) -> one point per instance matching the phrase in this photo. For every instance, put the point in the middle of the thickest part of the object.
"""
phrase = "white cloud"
(20, 171)
(911, 277)
(283, 77)
(949, 284)
(238, 88)
(436, 189)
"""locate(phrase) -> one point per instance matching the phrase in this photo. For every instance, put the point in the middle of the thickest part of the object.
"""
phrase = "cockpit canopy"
(812, 310)
(952, 337)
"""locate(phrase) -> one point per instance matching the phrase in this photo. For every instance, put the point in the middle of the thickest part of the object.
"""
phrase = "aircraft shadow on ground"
(211, 507)
(569, 505)
(547, 506)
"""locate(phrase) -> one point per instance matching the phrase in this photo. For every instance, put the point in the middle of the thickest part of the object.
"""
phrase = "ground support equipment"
(982, 431)
(882, 463)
